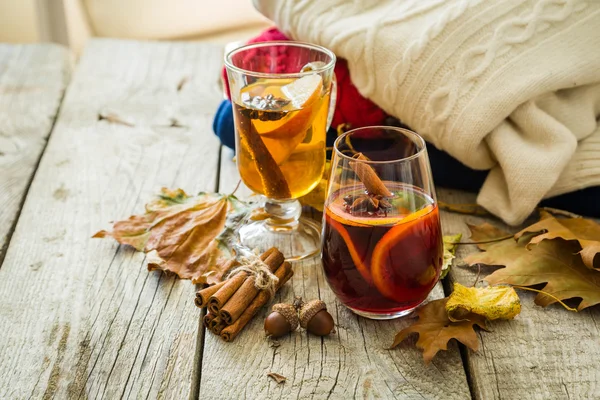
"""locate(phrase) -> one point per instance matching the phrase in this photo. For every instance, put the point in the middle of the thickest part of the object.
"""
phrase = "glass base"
(296, 243)
(384, 316)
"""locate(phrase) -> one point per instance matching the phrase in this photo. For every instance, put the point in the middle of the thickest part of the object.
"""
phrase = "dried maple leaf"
(187, 235)
(554, 263)
(585, 231)
(435, 329)
(492, 302)
(450, 242)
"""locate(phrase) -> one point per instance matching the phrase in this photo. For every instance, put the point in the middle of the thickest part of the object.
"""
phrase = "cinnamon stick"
(203, 295)
(213, 322)
(207, 319)
(272, 178)
(284, 273)
(368, 177)
(219, 298)
(218, 327)
(238, 303)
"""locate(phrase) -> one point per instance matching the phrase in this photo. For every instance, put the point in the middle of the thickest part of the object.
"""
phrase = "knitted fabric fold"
(510, 86)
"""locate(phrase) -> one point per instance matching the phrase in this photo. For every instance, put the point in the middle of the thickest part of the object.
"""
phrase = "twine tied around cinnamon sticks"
(264, 279)
(233, 302)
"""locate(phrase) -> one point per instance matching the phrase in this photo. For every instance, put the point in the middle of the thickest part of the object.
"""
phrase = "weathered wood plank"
(352, 363)
(82, 317)
(545, 353)
(32, 82)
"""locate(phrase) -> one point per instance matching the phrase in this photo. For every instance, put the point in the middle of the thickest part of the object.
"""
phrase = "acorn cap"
(309, 310)
(289, 313)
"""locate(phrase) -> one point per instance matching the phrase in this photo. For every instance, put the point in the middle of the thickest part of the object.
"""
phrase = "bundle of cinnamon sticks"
(232, 303)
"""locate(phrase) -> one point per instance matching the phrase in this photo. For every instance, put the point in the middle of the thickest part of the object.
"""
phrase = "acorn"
(315, 318)
(282, 320)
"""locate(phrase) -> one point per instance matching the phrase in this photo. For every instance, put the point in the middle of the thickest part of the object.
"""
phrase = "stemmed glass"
(281, 94)
(382, 241)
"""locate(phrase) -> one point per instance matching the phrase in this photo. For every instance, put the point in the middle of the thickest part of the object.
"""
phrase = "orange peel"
(378, 270)
(356, 258)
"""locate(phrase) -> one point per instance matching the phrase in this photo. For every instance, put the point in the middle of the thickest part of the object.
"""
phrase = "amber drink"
(281, 141)
(282, 104)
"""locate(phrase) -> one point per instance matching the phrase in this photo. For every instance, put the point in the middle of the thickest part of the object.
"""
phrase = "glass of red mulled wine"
(382, 241)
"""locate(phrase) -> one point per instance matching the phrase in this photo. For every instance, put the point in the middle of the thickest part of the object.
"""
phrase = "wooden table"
(83, 318)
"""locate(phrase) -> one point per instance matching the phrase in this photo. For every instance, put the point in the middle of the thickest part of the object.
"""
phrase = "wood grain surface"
(355, 362)
(33, 79)
(83, 317)
(544, 353)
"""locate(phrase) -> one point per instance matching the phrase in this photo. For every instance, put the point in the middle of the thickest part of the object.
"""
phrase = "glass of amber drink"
(382, 241)
(281, 94)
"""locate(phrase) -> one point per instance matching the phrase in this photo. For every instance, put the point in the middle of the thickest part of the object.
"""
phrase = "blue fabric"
(224, 128)
(447, 171)
(223, 124)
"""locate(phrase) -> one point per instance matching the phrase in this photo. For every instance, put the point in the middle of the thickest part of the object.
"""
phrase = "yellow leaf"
(450, 242)
(492, 302)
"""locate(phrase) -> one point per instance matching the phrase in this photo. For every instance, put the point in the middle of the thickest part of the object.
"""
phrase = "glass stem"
(284, 214)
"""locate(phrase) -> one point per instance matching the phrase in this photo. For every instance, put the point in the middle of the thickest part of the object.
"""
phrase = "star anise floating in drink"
(267, 108)
(367, 203)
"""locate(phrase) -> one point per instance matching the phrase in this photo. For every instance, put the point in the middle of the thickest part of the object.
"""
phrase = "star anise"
(268, 108)
(366, 203)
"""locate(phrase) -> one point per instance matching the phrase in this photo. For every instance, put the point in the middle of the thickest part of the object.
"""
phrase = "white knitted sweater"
(510, 86)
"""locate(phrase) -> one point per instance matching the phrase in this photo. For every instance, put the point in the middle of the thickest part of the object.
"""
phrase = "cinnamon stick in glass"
(236, 305)
(219, 298)
(203, 295)
(272, 178)
(284, 273)
(368, 176)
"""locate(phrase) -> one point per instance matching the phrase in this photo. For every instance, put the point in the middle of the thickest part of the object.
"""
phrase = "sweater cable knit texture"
(507, 86)
(443, 99)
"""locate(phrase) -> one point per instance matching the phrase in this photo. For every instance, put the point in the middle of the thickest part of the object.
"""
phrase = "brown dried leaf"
(278, 378)
(183, 234)
(554, 263)
(182, 83)
(113, 118)
(585, 231)
(435, 329)
(487, 233)
(468, 209)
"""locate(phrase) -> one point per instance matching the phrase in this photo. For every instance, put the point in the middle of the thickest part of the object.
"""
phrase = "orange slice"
(364, 221)
(379, 271)
(356, 257)
(304, 94)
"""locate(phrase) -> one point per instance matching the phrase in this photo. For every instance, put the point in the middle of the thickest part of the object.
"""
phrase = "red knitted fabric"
(351, 107)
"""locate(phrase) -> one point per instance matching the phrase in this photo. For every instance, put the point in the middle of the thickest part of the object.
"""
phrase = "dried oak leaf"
(585, 231)
(187, 235)
(435, 329)
(554, 263)
(450, 242)
(492, 302)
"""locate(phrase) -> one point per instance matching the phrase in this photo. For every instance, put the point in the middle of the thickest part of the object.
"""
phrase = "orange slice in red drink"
(380, 265)
(357, 257)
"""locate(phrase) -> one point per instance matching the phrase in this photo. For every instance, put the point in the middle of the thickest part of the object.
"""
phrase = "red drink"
(382, 261)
